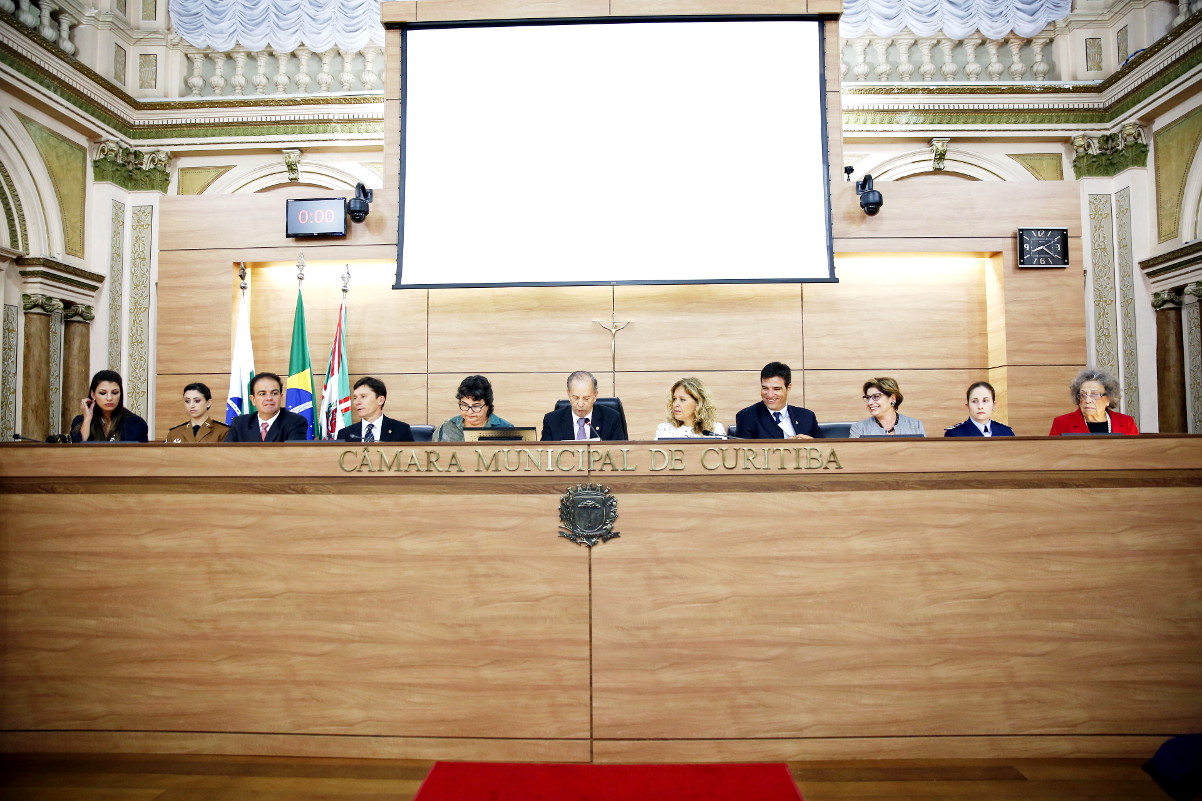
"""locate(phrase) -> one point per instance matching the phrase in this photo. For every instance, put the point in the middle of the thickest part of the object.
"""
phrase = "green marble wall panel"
(67, 164)
(137, 384)
(116, 283)
(1044, 166)
(8, 373)
(1105, 315)
(194, 180)
(1176, 148)
(1125, 262)
(56, 371)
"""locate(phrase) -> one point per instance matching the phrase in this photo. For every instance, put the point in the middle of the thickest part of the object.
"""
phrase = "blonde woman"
(691, 413)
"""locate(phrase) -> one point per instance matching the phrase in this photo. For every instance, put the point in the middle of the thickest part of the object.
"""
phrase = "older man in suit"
(582, 418)
(368, 398)
(773, 417)
(270, 423)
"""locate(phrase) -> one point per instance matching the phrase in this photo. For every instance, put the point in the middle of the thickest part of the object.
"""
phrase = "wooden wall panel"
(195, 313)
(709, 327)
(520, 329)
(923, 312)
(692, 637)
(253, 619)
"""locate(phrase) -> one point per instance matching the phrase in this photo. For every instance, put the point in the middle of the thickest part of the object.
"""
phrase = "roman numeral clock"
(1042, 247)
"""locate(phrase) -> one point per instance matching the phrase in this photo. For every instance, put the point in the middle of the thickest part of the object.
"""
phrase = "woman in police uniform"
(200, 427)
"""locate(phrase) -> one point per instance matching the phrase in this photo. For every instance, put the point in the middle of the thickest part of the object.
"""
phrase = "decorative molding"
(133, 170)
(56, 371)
(939, 148)
(40, 304)
(1126, 272)
(78, 311)
(292, 162)
(1111, 153)
(137, 385)
(8, 373)
(1191, 324)
(44, 276)
(1177, 267)
(1105, 318)
(116, 283)
(1168, 299)
(14, 212)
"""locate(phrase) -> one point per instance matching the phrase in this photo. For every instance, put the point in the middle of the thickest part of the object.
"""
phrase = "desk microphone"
(53, 439)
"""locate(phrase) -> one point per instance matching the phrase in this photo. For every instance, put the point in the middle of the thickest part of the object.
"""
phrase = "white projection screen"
(639, 151)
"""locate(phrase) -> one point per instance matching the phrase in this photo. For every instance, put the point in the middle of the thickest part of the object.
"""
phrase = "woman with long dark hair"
(104, 417)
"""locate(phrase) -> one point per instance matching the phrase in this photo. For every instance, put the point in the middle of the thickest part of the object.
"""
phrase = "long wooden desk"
(910, 598)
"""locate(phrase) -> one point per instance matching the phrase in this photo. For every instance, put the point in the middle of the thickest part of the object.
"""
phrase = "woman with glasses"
(475, 406)
(1094, 392)
(884, 397)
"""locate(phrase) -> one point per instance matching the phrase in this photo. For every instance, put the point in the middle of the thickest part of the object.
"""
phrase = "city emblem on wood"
(587, 513)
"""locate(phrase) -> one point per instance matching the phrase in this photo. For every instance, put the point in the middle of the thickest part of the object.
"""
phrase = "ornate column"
(35, 371)
(1170, 362)
(1192, 323)
(77, 325)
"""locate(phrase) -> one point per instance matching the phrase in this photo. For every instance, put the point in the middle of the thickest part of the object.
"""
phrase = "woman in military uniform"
(200, 427)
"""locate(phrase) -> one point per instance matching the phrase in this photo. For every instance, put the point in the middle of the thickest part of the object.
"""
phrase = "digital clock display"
(316, 217)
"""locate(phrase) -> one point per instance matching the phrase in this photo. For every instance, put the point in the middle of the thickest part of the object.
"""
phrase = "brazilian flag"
(299, 395)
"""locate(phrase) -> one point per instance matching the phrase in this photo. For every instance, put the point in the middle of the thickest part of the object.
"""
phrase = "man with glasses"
(476, 410)
(270, 423)
(773, 417)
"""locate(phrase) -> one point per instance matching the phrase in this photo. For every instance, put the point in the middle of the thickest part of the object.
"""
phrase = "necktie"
(195, 430)
(367, 435)
(986, 431)
(263, 430)
(581, 422)
(776, 416)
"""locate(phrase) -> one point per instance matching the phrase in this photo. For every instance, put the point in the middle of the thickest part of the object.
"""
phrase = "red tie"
(263, 430)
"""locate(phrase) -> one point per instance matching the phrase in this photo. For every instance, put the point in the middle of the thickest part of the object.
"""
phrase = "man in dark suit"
(773, 417)
(582, 418)
(270, 423)
(368, 398)
(980, 422)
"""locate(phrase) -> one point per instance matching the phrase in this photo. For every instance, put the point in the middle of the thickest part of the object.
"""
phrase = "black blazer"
(386, 430)
(969, 429)
(133, 429)
(561, 424)
(288, 427)
(756, 422)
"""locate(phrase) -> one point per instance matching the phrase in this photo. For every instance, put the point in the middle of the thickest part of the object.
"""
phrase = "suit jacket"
(210, 431)
(1074, 423)
(386, 430)
(288, 427)
(757, 422)
(561, 424)
(969, 429)
(133, 429)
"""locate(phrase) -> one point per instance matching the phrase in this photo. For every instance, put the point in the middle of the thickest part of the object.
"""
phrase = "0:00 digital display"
(316, 217)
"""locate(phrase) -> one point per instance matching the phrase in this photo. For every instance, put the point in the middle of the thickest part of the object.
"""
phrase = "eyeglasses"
(873, 398)
(1091, 395)
(471, 407)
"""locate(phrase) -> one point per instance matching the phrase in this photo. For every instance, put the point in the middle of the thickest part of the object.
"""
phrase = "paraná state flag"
(298, 396)
(242, 367)
(336, 395)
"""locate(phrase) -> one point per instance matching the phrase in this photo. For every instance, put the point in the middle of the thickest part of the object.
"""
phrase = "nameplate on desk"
(564, 458)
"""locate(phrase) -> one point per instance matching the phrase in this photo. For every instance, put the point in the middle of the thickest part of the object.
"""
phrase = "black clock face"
(1042, 247)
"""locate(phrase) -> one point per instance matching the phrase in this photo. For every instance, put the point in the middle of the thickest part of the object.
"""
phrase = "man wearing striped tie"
(269, 423)
(582, 418)
(368, 398)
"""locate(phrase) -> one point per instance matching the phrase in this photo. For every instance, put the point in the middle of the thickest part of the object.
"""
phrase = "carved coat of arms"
(587, 513)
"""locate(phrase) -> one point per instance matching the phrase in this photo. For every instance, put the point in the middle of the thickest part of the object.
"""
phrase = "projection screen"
(659, 152)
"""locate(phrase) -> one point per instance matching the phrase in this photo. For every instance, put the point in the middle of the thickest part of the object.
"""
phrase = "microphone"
(53, 439)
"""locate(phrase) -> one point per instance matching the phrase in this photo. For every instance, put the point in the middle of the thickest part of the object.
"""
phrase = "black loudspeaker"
(1177, 767)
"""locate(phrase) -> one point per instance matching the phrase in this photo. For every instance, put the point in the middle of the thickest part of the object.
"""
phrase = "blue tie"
(776, 416)
(367, 435)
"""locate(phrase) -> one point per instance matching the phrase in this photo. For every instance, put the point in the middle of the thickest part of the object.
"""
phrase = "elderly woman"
(476, 407)
(200, 427)
(884, 397)
(1094, 392)
(691, 413)
(104, 417)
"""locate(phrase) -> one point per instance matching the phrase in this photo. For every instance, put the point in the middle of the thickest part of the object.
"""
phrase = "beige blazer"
(210, 431)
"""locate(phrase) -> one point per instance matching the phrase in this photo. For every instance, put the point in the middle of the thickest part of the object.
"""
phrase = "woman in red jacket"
(1095, 391)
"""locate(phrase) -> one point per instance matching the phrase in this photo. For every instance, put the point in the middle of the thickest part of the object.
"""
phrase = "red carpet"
(493, 781)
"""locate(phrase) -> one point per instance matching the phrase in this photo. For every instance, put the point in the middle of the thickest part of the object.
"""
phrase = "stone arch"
(958, 162)
(274, 175)
(1191, 203)
(29, 183)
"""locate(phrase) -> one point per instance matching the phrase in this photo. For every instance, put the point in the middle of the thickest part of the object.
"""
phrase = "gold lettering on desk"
(730, 458)
(608, 462)
(671, 459)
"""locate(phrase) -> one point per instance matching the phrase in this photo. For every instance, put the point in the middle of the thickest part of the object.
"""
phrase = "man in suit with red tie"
(270, 423)
(368, 398)
(582, 418)
(773, 417)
